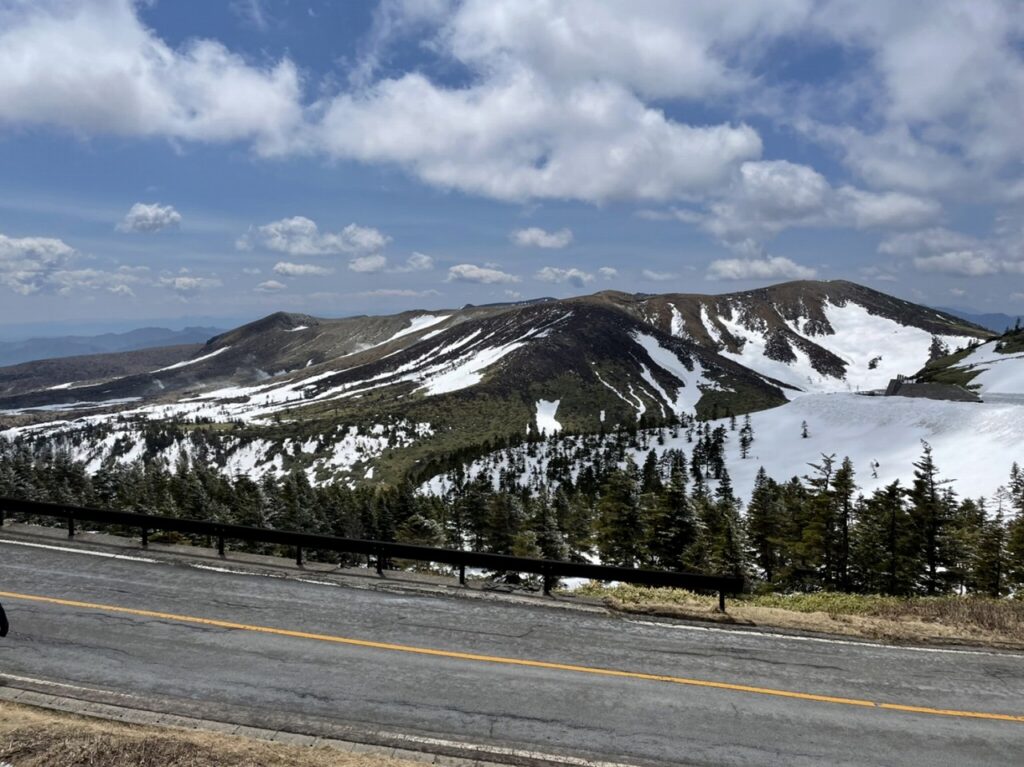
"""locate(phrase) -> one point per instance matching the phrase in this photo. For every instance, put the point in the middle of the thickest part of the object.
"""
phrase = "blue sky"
(181, 160)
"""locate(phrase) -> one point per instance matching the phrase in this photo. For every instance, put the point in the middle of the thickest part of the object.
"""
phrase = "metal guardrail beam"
(381, 551)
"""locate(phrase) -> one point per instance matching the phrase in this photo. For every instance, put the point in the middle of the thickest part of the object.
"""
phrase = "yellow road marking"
(514, 661)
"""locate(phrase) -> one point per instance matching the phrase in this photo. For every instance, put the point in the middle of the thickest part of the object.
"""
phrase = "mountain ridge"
(351, 396)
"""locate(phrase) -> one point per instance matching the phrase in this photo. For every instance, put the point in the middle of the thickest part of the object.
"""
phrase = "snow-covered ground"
(546, 423)
(197, 360)
(974, 444)
(875, 348)
(333, 455)
(997, 373)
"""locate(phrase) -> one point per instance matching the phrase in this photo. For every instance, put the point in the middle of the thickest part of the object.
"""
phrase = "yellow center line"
(513, 661)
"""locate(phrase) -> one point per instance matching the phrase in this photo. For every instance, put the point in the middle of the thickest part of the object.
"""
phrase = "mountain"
(376, 397)
(994, 369)
(15, 352)
(997, 322)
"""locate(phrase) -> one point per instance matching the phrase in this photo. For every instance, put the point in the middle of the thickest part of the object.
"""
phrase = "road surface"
(285, 653)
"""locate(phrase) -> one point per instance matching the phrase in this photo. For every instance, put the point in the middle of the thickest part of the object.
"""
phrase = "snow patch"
(546, 422)
(186, 363)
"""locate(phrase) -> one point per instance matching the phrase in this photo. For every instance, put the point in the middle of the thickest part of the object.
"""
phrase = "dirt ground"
(33, 737)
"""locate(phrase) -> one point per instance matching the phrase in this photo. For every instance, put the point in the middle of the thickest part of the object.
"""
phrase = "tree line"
(809, 533)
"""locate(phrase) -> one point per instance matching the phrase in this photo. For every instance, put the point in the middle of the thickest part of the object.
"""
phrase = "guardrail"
(381, 551)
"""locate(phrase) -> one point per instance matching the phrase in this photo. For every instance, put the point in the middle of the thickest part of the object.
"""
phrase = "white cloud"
(513, 137)
(950, 252)
(535, 237)
(769, 197)
(300, 236)
(608, 272)
(967, 263)
(925, 241)
(270, 286)
(375, 263)
(34, 265)
(481, 274)
(650, 274)
(152, 217)
(573, 276)
(398, 293)
(767, 268)
(417, 262)
(252, 270)
(27, 264)
(94, 67)
(289, 269)
(187, 285)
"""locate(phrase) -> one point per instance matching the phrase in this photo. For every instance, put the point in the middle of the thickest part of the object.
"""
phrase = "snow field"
(974, 444)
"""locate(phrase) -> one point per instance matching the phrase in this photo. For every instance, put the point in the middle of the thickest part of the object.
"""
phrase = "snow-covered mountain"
(376, 396)
(974, 444)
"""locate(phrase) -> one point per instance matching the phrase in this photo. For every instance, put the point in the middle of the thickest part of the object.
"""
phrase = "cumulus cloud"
(270, 286)
(944, 86)
(768, 268)
(966, 263)
(398, 293)
(34, 265)
(535, 237)
(300, 236)
(289, 269)
(946, 251)
(27, 264)
(573, 276)
(188, 285)
(152, 217)
(608, 272)
(650, 274)
(768, 197)
(481, 274)
(375, 263)
(95, 67)
(417, 262)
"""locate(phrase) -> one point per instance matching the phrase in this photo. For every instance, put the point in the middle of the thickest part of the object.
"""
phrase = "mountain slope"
(351, 397)
(993, 369)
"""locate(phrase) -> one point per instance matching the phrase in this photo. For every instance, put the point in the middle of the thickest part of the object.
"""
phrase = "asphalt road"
(605, 687)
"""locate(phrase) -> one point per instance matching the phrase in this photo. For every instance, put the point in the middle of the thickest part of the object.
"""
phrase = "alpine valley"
(526, 392)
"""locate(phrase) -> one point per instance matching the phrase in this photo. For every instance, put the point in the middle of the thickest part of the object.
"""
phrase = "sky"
(168, 161)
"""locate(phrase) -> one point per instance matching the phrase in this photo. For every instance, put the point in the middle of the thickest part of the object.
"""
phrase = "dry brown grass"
(919, 620)
(31, 737)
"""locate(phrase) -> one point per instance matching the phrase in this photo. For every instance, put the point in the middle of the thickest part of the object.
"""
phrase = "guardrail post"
(145, 538)
(220, 545)
(549, 582)
(380, 560)
(2, 516)
(462, 575)
(721, 601)
(298, 556)
(71, 527)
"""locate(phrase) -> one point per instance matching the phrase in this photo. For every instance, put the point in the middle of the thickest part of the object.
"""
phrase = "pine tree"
(764, 525)
(619, 531)
(931, 514)
(884, 544)
(843, 487)
(678, 528)
(988, 574)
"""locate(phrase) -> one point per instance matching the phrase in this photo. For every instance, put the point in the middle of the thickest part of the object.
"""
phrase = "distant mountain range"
(995, 321)
(15, 352)
(384, 397)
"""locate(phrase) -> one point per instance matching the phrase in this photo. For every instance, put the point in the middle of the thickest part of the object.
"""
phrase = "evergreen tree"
(931, 513)
(619, 531)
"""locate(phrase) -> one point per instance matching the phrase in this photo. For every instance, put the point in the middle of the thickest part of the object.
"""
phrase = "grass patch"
(31, 737)
(942, 620)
